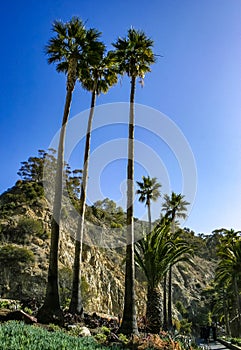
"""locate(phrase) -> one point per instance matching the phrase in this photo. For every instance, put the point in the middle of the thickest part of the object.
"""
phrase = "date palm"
(70, 48)
(154, 254)
(174, 207)
(97, 79)
(134, 56)
(148, 191)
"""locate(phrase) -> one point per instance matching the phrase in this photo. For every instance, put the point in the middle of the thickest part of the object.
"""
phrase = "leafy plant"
(16, 335)
(13, 255)
(101, 338)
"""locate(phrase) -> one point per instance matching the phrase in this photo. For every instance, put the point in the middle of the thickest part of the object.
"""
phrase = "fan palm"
(97, 78)
(134, 56)
(175, 207)
(148, 191)
(70, 48)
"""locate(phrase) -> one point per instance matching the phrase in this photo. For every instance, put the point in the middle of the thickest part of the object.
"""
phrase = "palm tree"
(69, 48)
(154, 254)
(174, 207)
(134, 55)
(228, 272)
(148, 191)
(95, 78)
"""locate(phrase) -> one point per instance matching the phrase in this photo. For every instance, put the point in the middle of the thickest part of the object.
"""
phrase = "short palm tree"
(69, 48)
(134, 56)
(174, 207)
(97, 79)
(148, 191)
(154, 254)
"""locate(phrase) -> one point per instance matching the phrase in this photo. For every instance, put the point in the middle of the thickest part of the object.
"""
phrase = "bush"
(13, 255)
(25, 228)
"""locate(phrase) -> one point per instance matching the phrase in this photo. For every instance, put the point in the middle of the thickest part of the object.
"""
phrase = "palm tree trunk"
(51, 311)
(76, 305)
(153, 310)
(129, 323)
(170, 299)
(149, 215)
(238, 307)
(165, 303)
(226, 314)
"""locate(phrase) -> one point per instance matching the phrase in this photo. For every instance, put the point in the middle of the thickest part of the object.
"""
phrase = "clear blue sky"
(197, 83)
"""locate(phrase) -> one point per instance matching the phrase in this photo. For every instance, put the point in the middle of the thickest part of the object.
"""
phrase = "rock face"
(102, 271)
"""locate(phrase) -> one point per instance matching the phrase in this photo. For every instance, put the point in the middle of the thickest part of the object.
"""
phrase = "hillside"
(24, 248)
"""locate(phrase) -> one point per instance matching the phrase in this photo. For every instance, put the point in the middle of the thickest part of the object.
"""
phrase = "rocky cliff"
(26, 225)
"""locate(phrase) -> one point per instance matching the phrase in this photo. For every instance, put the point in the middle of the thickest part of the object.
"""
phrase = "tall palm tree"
(154, 253)
(69, 49)
(97, 79)
(134, 55)
(175, 207)
(148, 191)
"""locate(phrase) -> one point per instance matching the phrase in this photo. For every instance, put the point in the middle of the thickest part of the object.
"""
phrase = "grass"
(18, 336)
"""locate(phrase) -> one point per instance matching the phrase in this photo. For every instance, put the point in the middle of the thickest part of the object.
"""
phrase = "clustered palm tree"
(79, 53)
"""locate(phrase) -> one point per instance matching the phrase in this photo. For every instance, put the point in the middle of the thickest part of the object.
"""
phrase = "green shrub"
(105, 330)
(13, 255)
(28, 310)
(101, 338)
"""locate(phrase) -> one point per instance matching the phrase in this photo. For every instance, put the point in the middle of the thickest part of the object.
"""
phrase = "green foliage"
(236, 341)
(148, 190)
(123, 338)
(101, 338)
(26, 227)
(29, 226)
(12, 255)
(32, 169)
(185, 326)
(180, 308)
(28, 310)
(23, 193)
(4, 304)
(105, 330)
(10, 304)
(16, 335)
(107, 211)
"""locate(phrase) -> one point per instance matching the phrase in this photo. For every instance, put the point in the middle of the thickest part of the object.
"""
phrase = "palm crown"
(148, 189)
(157, 251)
(134, 53)
(99, 76)
(175, 206)
(74, 45)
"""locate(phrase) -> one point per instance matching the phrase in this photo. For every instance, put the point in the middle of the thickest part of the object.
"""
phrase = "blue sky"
(196, 83)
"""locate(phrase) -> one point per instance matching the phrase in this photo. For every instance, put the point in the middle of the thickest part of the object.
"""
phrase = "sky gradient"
(196, 82)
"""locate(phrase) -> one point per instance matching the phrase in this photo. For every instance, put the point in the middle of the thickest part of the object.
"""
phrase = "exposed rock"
(84, 332)
(102, 270)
